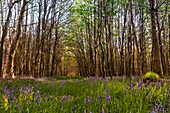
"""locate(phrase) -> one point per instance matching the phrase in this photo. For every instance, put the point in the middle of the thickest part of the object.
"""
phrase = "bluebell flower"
(102, 95)
(162, 83)
(140, 84)
(157, 85)
(63, 99)
(146, 85)
(74, 108)
(38, 102)
(84, 111)
(7, 92)
(149, 94)
(97, 96)
(102, 110)
(28, 102)
(106, 90)
(89, 100)
(107, 79)
(108, 98)
(37, 94)
(153, 111)
(161, 108)
(19, 106)
(133, 85)
(84, 101)
(168, 90)
(164, 111)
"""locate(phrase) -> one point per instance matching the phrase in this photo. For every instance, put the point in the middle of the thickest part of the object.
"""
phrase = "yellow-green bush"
(150, 75)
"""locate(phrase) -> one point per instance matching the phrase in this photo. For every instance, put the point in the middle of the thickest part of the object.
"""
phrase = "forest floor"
(71, 79)
(84, 95)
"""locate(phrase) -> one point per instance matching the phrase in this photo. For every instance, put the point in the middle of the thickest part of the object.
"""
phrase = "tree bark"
(157, 64)
(15, 44)
(4, 34)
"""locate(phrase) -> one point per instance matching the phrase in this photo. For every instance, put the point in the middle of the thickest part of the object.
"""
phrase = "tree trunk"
(4, 34)
(139, 69)
(157, 64)
(15, 44)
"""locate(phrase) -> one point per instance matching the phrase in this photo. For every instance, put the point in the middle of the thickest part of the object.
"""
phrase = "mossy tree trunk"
(16, 42)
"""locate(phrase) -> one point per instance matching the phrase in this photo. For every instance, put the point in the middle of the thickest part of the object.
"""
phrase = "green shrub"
(150, 75)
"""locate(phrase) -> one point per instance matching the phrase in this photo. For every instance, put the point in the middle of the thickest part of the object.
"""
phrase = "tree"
(16, 42)
(157, 64)
(5, 29)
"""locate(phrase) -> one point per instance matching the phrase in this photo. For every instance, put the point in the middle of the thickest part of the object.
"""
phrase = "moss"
(150, 76)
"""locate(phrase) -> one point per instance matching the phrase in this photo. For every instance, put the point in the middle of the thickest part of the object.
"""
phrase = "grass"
(83, 96)
(66, 78)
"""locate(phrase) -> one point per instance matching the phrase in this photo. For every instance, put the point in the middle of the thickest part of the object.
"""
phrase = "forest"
(84, 37)
(85, 56)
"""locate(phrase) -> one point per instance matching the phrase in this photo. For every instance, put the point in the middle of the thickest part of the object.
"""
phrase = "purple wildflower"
(153, 111)
(29, 89)
(133, 85)
(38, 102)
(102, 110)
(108, 98)
(149, 94)
(107, 79)
(63, 99)
(140, 84)
(106, 90)
(37, 94)
(162, 83)
(168, 90)
(19, 106)
(84, 101)
(159, 109)
(157, 85)
(164, 111)
(12, 96)
(74, 108)
(89, 100)
(7, 92)
(28, 102)
(146, 85)
(97, 95)
(102, 95)
(84, 111)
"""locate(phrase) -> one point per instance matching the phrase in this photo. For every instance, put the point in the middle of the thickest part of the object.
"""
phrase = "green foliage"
(80, 95)
(150, 75)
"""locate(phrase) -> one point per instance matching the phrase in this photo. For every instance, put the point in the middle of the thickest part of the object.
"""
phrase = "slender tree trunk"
(122, 45)
(54, 52)
(169, 40)
(139, 69)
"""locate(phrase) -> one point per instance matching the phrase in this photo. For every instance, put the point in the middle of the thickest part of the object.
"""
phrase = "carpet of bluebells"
(89, 95)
